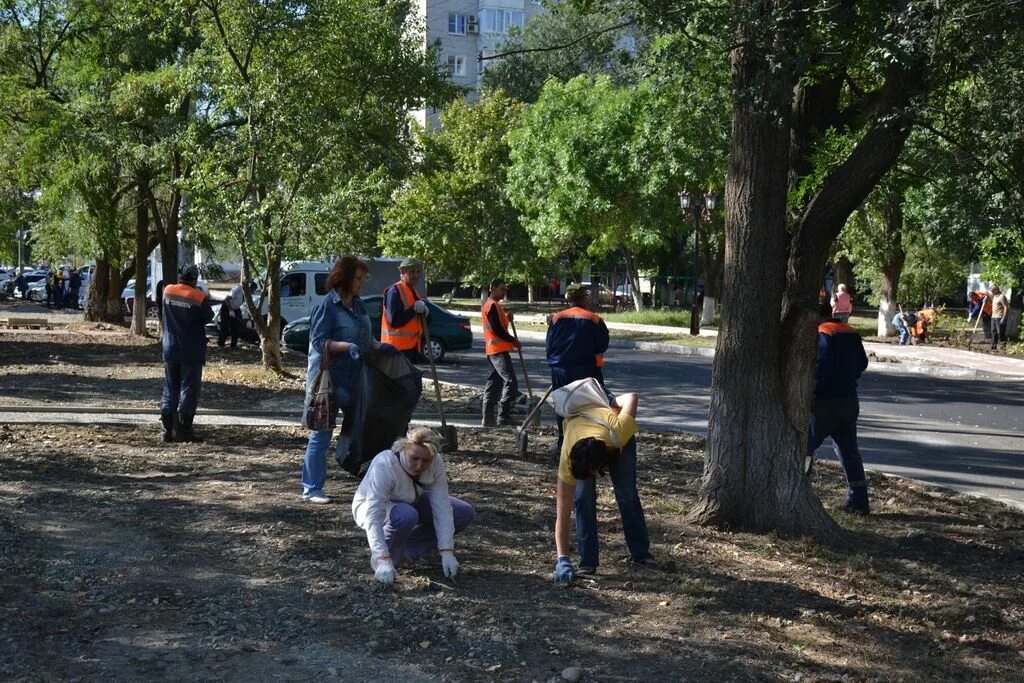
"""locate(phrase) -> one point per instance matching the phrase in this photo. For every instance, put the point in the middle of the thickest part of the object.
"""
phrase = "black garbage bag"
(392, 387)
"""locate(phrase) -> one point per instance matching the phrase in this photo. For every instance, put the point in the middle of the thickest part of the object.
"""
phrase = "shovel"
(449, 436)
(522, 437)
(522, 362)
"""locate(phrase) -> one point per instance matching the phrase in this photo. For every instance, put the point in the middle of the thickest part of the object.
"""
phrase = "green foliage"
(454, 212)
(597, 166)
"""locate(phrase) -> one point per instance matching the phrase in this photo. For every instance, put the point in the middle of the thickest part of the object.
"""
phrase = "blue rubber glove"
(564, 571)
(353, 351)
(388, 349)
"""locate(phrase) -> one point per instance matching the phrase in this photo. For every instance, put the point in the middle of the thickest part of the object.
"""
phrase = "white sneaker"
(317, 499)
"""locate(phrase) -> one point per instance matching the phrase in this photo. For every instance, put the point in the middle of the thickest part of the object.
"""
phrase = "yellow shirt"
(580, 427)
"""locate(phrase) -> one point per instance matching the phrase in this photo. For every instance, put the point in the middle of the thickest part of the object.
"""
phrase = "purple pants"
(409, 529)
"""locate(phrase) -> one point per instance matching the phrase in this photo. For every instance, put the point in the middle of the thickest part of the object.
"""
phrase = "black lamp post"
(709, 205)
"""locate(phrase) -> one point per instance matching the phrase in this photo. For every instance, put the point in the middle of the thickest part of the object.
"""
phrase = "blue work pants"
(182, 382)
(837, 418)
(634, 526)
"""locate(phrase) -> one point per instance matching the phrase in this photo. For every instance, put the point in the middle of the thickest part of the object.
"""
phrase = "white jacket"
(386, 482)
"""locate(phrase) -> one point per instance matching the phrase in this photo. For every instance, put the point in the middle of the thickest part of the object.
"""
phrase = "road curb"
(889, 368)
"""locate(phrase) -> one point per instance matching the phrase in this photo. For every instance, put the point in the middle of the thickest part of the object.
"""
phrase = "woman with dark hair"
(597, 441)
(339, 328)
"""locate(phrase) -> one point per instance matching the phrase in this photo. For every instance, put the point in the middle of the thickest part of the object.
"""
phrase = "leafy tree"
(803, 75)
(302, 103)
(600, 163)
(454, 212)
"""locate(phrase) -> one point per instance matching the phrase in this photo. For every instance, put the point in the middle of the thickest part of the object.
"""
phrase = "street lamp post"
(685, 203)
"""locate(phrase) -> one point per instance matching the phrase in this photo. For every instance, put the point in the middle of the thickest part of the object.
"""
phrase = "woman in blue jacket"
(339, 326)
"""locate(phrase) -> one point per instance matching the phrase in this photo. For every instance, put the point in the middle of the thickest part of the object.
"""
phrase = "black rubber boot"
(167, 420)
(186, 434)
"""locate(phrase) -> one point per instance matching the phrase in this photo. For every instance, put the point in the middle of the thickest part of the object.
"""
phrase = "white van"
(304, 284)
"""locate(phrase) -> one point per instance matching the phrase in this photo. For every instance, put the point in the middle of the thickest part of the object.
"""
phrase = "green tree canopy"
(454, 212)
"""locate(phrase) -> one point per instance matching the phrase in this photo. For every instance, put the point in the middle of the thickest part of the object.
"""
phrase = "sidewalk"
(916, 360)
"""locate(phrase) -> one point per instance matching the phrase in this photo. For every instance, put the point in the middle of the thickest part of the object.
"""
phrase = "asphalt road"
(964, 434)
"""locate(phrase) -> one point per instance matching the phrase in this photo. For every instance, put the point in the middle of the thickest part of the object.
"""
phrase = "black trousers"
(230, 324)
(501, 387)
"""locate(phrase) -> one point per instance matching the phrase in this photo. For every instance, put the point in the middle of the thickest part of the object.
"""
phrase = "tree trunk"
(633, 278)
(1013, 320)
(712, 249)
(138, 326)
(752, 474)
(844, 274)
(270, 338)
(707, 313)
(268, 328)
(104, 301)
(892, 268)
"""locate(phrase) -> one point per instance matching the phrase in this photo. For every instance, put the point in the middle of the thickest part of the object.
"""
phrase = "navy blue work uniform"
(186, 311)
(576, 342)
(841, 361)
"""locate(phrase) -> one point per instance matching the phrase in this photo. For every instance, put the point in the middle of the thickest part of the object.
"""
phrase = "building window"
(457, 24)
(457, 65)
(500, 21)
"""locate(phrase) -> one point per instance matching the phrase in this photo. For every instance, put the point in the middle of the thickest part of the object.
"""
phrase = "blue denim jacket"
(333, 320)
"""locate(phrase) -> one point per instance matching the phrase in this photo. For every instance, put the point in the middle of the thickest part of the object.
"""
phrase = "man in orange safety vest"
(502, 387)
(400, 325)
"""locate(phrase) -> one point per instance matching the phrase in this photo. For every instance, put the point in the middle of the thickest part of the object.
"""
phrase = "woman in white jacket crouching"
(404, 506)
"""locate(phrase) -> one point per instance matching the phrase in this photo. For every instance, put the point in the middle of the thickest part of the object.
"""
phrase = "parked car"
(448, 332)
(152, 310)
(36, 282)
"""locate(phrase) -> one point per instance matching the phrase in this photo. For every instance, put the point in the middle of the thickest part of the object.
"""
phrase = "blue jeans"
(904, 334)
(182, 382)
(634, 526)
(409, 529)
(837, 418)
(314, 464)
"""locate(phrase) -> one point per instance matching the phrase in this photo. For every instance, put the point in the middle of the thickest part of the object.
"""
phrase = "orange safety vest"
(987, 307)
(578, 312)
(493, 344)
(407, 337)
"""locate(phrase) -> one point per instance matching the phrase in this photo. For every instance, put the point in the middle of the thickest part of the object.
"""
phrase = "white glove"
(385, 572)
(449, 564)
(420, 306)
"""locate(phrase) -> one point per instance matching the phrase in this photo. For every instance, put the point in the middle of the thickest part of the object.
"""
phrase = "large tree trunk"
(892, 267)
(752, 474)
(138, 326)
(104, 301)
(713, 255)
(844, 274)
(1016, 301)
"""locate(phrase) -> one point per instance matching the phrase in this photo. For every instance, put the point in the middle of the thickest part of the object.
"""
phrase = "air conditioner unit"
(471, 25)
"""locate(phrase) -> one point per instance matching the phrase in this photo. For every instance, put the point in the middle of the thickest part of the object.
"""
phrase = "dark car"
(448, 332)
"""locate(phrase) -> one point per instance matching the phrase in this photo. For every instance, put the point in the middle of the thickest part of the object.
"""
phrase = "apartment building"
(466, 30)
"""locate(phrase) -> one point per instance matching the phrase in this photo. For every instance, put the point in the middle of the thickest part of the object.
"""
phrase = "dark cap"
(190, 274)
(411, 263)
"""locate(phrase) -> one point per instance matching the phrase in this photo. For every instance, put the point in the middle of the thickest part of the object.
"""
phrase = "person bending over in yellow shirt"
(599, 440)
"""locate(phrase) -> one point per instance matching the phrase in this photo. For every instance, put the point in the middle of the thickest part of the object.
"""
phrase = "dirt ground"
(122, 558)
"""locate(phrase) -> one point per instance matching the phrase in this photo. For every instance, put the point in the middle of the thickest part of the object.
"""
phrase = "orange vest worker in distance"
(400, 325)
(502, 386)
